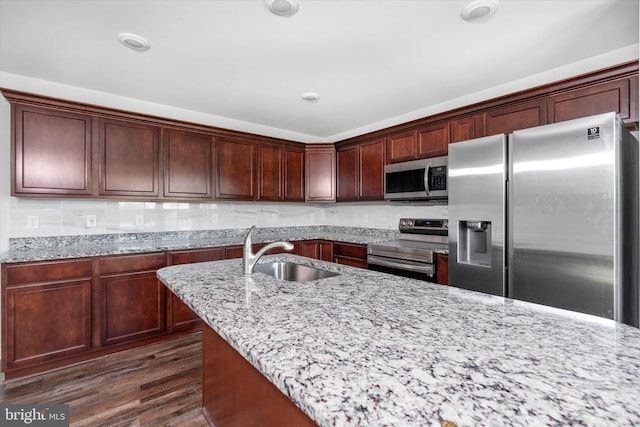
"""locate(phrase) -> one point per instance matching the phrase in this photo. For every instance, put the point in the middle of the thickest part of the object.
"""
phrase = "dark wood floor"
(154, 385)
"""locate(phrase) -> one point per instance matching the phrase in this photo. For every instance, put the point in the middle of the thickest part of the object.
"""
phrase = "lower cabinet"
(350, 254)
(132, 298)
(318, 249)
(179, 315)
(46, 310)
(442, 269)
(55, 313)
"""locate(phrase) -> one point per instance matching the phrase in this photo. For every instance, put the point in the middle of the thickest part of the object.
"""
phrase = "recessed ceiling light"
(134, 42)
(282, 7)
(310, 97)
(479, 10)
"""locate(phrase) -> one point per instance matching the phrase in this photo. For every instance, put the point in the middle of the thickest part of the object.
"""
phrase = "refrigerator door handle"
(427, 175)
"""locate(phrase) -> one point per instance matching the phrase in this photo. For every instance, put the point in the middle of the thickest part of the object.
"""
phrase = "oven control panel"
(438, 227)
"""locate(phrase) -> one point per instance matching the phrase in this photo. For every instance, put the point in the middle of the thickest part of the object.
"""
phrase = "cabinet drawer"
(47, 271)
(350, 250)
(196, 255)
(124, 263)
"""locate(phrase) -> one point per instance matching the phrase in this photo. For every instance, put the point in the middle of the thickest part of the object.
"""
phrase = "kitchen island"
(368, 348)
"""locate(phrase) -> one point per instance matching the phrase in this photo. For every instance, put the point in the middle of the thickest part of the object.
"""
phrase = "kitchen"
(67, 216)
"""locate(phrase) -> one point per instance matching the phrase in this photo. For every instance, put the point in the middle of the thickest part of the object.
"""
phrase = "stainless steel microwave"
(424, 179)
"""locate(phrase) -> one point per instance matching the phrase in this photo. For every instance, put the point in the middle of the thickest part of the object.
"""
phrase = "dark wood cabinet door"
(442, 269)
(433, 140)
(587, 101)
(235, 169)
(179, 315)
(47, 322)
(294, 174)
(51, 152)
(129, 159)
(320, 173)
(371, 170)
(348, 176)
(463, 129)
(132, 299)
(401, 147)
(311, 249)
(326, 250)
(270, 160)
(515, 117)
(188, 164)
(47, 313)
(133, 307)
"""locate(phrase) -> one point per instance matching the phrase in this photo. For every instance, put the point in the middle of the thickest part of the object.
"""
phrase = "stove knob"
(403, 222)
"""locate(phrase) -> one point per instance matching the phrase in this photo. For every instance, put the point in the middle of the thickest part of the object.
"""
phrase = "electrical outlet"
(214, 219)
(139, 219)
(274, 217)
(91, 221)
(33, 221)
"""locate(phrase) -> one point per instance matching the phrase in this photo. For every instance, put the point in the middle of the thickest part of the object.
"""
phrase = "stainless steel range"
(412, 254)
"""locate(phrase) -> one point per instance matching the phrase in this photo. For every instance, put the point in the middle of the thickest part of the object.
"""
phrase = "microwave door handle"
(427, 173)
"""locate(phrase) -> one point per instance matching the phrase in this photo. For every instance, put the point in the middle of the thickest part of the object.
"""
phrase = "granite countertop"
(367, 348)
(67, 247)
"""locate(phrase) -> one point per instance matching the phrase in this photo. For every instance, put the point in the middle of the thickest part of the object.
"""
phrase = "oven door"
(404, 268)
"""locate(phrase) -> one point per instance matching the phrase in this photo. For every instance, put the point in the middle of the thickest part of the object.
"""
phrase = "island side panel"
(234, 393)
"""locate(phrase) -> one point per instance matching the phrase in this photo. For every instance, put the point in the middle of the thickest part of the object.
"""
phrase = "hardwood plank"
(153, 385)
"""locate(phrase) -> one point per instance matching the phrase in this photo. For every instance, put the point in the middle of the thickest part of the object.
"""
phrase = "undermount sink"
(292, 272)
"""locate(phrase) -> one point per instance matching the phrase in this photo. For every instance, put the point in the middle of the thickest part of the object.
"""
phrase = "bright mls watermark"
(34, 415)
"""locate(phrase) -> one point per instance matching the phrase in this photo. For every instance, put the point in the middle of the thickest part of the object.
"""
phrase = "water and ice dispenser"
(474, 242)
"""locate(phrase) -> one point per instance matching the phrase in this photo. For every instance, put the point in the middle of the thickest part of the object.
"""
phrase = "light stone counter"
(370, 349)
(67, 247)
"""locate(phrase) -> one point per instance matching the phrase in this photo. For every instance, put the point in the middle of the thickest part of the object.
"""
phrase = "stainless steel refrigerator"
(549, 215)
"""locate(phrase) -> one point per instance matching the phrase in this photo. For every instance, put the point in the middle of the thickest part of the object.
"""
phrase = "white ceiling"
(374, 63)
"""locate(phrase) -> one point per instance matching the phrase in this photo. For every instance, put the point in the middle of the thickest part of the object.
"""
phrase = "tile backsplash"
(62, 217)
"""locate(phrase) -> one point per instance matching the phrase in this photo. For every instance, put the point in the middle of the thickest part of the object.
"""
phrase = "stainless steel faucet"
(249, 259)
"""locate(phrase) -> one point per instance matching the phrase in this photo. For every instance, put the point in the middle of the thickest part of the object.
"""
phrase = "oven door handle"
(425, 269)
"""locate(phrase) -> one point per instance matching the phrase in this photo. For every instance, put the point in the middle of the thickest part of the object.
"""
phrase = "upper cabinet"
(590, 100)
(271, 172)
(360, 171)
(66, 149)
(348, 174)
(236, 169)
(513, 117)
(52, 152)
(188, 164)
(320, 173)
(464, 128)
(433, 140)
(281, 172)
(401, 147)
(294, 173)
(129, 154)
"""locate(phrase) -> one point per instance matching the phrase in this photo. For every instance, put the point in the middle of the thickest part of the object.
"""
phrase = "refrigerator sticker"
(593, 133)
